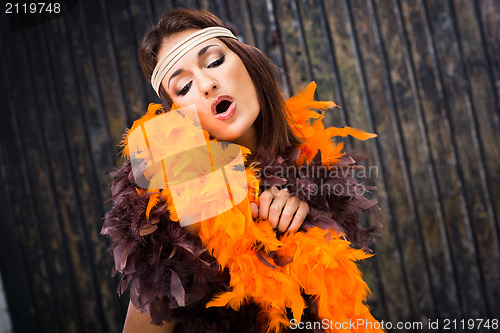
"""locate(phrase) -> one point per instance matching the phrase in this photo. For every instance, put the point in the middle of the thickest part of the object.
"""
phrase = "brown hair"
(274, 133)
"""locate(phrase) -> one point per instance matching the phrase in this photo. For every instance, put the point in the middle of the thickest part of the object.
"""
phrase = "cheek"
(185, 101)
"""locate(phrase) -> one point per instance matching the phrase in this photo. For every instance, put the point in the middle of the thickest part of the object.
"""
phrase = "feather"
(239, 274)
(354, 132)
(221, 299)
(153, 200)
(176, 289)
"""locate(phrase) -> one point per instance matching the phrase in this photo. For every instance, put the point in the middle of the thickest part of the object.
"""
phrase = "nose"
(208, 85)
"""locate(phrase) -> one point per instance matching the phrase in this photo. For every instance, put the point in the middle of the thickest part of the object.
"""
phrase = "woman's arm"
(137, 322)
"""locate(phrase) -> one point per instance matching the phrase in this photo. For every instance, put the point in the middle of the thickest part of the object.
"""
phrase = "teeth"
(222, 106)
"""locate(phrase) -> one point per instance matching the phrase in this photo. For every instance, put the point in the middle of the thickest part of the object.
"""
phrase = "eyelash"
(185, 89)
(217, 62)
(213, 64)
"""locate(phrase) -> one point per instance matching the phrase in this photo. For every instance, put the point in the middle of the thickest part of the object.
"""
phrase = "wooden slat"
(487, 13)
(142, 16)
(342, 33)
(25, 153)
(266, 33)
(83, 143)
(308, 17)
(187, 3)
(433, 129)
(421, 166)
(124, 39)
(75, 274)
(464, 134)
(483, 102)
(292, 35)
(160, 6)
(110, 81)
(295, 52)
(490, 59)
(239, 15)
(276, 48)
(14, 270)
(95, 152)
(220, 9)
(320, 40)
(13, 267)
(429, 216)
(90, 98)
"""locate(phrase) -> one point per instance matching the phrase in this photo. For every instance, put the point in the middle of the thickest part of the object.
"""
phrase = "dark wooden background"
(423, 74)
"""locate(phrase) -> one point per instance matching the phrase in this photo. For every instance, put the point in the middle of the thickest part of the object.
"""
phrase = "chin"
(232, 134)
(230, 138)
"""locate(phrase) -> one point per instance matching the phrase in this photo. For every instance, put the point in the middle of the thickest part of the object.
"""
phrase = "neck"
(249, 140)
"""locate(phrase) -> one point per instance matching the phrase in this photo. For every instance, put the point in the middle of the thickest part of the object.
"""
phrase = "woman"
(261, 278)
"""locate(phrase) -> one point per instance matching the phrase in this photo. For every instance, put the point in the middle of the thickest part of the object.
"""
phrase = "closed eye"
(185, 89)
(217, 62)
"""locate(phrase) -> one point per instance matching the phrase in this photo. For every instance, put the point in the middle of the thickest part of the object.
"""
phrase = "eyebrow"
(180, 70)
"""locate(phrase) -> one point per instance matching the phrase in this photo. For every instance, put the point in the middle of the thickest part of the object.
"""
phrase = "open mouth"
(223, 107)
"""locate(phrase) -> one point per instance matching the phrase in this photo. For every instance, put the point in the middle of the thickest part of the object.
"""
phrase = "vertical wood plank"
(94, 151)
(239, 15)
(483, 103)
(76, 39)
(442, 145)
(313, 40)
(415, 137)
(187, 3)
(142, 16)
(488, 13)
(436, 129)
(267, 37)
(92, 270)
(326, 59)
(491, 61)
(21, 151)
(294, 51)
(464, 133)
(125, 50)
(21, 297)
(161, 6)
(380, 115)
(110, 82)
(73, 273)
(393, 212)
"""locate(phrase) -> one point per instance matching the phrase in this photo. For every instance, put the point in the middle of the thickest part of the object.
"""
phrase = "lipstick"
(223, 107)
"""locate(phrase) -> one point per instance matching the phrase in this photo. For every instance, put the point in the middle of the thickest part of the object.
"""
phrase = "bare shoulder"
(137, 322)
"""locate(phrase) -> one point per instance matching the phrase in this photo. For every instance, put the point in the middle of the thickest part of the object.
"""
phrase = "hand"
(283, 210)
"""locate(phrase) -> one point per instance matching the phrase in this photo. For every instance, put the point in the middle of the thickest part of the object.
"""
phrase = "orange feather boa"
(320, 262)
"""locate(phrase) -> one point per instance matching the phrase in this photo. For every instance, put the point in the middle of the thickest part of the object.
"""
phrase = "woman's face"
(215, 80)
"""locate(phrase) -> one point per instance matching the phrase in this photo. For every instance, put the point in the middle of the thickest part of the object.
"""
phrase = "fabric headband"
(183, 47)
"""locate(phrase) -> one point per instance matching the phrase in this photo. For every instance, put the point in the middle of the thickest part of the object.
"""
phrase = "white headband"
(183, 47)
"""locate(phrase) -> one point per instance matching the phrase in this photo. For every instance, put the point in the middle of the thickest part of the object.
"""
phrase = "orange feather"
(323, 265)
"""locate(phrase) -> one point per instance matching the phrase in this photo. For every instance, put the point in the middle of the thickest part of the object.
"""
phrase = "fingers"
(300, 216)
(290, 206)
(284, 211)
(279, 199)
(254, 208)
(265, 200)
